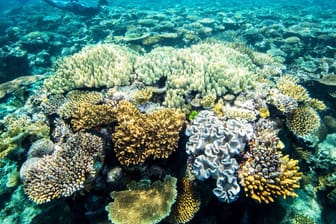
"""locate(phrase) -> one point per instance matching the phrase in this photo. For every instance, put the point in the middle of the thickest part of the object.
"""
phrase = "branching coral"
(139, 136)
(288, 86)
(143, 203)
(144, 95)
(266, 173)
(88, 115)
(18, 128)
(187, 203)
(65, 171)
(102, 65)
(75, 98)
(303, 121)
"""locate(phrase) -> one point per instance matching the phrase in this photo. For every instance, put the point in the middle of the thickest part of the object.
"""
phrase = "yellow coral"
(266, 173)
(144, 95)
(303, 121)
(88, 115)
(264, 112)
(187, 203)
(139, 136)
(316, 104)
(143, 203)
(288, 86)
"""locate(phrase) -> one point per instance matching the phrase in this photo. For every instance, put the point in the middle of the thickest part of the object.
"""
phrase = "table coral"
(139, 136)
(267, 173)
(65, 171)
(143, 203)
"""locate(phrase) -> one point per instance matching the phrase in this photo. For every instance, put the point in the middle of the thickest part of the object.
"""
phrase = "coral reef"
(102, 65)
(64, 172)
(303, 121)
(143, 203)
(87, 116)
(266, 173)
(16, 128)
(187, 203)
(214, 144)
(144, 95)
(139, 136)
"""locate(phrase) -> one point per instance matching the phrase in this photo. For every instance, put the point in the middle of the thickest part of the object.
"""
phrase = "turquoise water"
(167, 111)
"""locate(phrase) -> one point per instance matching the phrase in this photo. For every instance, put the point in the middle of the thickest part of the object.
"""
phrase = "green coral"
(143, 203)
(16, 128)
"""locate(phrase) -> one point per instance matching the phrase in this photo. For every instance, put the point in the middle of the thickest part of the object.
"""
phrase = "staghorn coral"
(187, 203)
(303, 121)
(143, 203)
(139, 136)
(66, 171)
(17, 128)
(266, 173)
(213, 144)
(88, 115)
(102, 65)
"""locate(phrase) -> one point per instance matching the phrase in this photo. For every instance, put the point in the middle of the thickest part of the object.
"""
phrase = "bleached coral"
(214, 144)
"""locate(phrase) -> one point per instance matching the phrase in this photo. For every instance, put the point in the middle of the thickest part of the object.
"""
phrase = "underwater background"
(182, 111)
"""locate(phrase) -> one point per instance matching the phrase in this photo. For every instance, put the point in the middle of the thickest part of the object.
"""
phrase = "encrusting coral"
(102, 65)
(143, 203)
(187, 203)
(140, 136)
(267, 173)
(65, 171)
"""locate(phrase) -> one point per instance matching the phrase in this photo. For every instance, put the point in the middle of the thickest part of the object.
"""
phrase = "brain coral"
(102, 65)
(139, 136)
(143, 203)
(64, 172)
(266, 173)
(214, 144)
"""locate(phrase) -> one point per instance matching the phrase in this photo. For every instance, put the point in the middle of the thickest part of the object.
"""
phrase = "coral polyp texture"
(187, 203)
(140, 136)
(143, 203)
(89, 115)
(303, 121)
(102, 65)
(66, 171)
(267, 173)
(214, 144)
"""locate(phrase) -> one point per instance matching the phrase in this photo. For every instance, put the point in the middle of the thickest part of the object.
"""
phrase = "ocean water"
(182, 111)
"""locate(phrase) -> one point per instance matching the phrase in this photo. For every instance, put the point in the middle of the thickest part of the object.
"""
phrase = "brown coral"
(143, 203)
(303, 121)
(139, 136)
(65, 171)
(88, 115)
(187, 203)
(266, 173)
